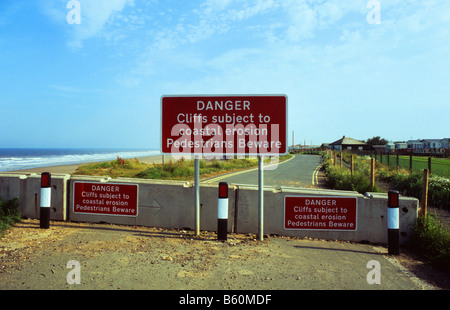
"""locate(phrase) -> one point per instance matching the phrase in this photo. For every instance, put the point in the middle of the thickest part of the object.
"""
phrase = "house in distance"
(349, 144)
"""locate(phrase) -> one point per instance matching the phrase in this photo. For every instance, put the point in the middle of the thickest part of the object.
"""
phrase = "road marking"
(216, 179)
(315, 176)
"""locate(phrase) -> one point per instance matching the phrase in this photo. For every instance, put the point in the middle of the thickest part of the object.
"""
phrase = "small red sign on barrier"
(320, 213)
(105, 198)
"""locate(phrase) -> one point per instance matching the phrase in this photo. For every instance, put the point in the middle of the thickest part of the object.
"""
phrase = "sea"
(12, 159)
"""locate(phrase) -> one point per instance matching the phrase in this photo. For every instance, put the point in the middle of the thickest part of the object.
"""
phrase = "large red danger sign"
(105, 198)
(220, 125)
(320, 213)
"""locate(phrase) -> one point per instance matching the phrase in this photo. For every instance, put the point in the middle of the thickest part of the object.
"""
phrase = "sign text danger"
(107, 199)
(320, 213)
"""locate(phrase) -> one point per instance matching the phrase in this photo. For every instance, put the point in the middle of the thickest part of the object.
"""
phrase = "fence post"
(429, 164)
(410, 163)
(222, 214)
(398, 165)
(351, 164)
(372, 173)
(393, 222)
(46, 192)
(424, 202)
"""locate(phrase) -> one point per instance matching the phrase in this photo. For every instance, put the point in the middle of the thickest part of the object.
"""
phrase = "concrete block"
(10, 185)
(31, 196)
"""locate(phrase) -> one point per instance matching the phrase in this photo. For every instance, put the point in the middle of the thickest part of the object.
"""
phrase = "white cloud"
(317, 51)
(95, 15)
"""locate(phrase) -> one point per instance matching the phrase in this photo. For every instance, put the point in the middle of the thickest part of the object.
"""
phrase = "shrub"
(9, 213)
(439, 192)
(431, 239)
(410, 184)
(342, 179)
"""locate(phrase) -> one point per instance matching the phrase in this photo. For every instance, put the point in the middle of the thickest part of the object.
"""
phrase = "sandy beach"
(70, 169)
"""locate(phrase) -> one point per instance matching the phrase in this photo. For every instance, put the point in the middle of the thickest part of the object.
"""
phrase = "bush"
(439, 192)
(431, 239)
(341, 178)
(9, 213)
(410, 184)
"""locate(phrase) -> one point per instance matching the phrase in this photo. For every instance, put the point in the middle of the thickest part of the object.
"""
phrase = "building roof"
(433, 140)
(347, 141)
(426, 140)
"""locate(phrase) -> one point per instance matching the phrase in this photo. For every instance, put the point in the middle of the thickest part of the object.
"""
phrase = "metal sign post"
(260, 198)
(197, 195)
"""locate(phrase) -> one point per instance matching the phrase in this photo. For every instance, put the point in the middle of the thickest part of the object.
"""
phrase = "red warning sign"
(320, 213)
(219, 125)
(105, 198)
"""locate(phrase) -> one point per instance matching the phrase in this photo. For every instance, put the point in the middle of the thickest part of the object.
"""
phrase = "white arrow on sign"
(154, 205)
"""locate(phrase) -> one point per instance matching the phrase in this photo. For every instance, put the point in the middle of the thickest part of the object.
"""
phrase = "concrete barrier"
(170, 204)
(27, 188)
(10, 185)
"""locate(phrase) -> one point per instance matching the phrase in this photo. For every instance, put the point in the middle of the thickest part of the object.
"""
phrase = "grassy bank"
(185, 170)
(9, 214)
(126, 168)
(173, 170)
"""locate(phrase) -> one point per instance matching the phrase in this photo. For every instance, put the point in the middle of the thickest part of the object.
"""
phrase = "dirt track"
(115, 257)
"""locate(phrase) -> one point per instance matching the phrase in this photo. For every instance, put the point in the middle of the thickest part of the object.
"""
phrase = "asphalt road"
(297, 171)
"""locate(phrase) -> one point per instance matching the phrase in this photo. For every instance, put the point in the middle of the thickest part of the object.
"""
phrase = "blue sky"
(99, 83)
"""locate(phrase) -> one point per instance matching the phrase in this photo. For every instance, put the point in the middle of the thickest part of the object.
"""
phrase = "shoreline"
(71, 168)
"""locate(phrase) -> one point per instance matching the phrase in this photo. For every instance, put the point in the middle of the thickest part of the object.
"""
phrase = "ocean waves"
(19, 159)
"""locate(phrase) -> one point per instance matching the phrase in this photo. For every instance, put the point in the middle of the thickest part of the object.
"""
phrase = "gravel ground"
(114, 257)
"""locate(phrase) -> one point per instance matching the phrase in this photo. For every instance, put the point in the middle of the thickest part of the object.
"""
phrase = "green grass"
(185, 170)
(439, 166)
(9, 213)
